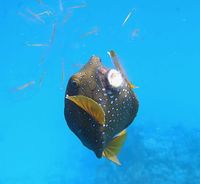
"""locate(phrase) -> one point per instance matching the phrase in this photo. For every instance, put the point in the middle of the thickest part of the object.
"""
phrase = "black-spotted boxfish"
(99, 105)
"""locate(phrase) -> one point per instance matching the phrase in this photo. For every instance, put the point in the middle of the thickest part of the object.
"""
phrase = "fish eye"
(74, 83)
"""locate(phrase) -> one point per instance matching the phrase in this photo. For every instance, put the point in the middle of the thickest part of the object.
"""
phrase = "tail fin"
(114, 147)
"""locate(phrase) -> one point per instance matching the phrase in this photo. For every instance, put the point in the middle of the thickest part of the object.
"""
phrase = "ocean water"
(44, 42)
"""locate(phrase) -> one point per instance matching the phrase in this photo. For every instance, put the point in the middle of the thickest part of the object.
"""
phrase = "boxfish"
(99, 106)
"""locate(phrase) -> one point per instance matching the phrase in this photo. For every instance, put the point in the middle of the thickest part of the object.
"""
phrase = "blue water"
(158, 47)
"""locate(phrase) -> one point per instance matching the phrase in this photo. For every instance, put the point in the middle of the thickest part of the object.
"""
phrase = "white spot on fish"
(114, 78)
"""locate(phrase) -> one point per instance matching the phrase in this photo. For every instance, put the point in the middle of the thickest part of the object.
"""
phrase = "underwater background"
(44, 42)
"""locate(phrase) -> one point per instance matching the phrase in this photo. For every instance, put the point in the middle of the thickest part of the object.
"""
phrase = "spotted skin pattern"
(120, 106)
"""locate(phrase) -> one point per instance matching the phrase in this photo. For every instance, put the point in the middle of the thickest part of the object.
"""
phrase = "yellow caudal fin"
(90, 106)
(119, 67)
(114, 147)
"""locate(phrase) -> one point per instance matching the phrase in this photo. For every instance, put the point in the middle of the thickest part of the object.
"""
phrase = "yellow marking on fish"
(90, 106)
(132, 86)
(113, 148)
(109, 155)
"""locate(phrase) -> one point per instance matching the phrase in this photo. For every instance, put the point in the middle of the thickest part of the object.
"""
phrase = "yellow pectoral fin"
(114, 147)
(90, 106)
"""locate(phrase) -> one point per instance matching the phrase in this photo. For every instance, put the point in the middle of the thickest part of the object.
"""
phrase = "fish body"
(99, 106)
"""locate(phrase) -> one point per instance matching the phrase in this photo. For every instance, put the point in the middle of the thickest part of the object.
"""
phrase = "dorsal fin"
(90, 106)
(113, 148)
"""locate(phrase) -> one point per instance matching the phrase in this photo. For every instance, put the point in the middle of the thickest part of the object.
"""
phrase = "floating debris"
(135, 33)
(77, 6)
(25, 85)
(92, 32)
(42, 78)
(63, 70)
(36, 16)
(37, 45)
(67, 16)
(44, 56)
(53, 34)
(127, 17)
(47, 12)
(61, 5)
